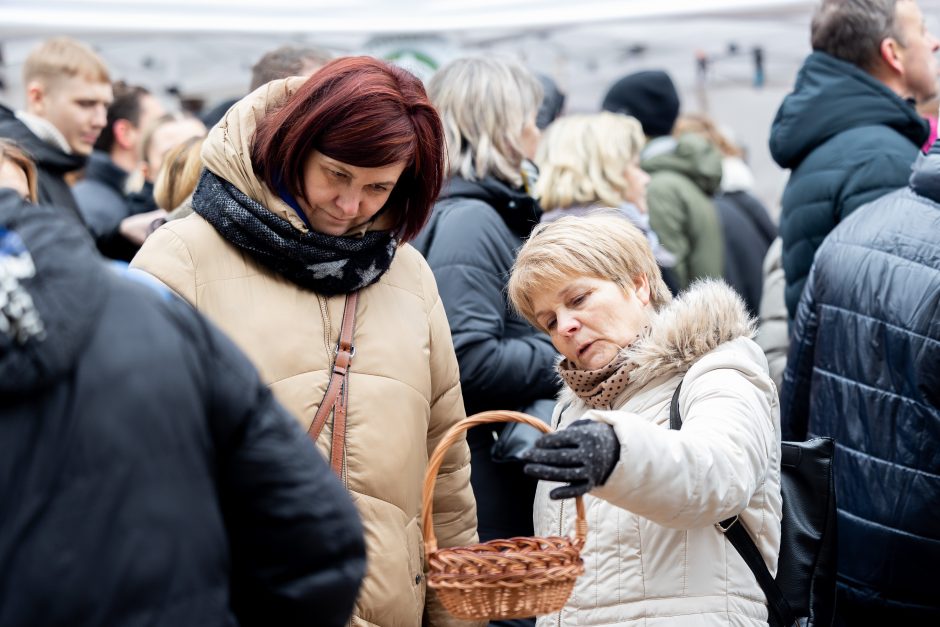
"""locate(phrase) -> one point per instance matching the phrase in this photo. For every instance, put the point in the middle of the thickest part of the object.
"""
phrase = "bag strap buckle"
(726, 524)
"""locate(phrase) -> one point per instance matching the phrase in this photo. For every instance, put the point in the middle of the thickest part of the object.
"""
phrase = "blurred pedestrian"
(685, 174)
(849, 131)
(146, 474)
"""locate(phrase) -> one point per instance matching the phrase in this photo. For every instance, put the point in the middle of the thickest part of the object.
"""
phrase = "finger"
(576, 488)
(558, 439)
(553, 457)
(554, 473)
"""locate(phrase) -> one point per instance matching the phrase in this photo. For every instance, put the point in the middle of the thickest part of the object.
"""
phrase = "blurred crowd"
(229, 344)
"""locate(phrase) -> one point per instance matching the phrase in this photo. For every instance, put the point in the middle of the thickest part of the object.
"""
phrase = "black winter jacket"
(748, 232)
(848, 140)
(147, 477)
(864, 368)
(470, 242)
(51, 163)
(103, 204)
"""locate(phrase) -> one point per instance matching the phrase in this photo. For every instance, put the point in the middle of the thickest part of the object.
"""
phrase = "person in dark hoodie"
(68, 92)
(488, 108)
(684, 175)
(880, 400)
(146, 474)
(849, 131)
(102, 195)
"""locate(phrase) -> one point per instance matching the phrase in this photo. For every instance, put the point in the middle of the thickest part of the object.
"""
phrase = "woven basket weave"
(500, 579)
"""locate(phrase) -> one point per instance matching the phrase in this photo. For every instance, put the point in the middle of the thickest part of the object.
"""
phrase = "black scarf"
(326, 264)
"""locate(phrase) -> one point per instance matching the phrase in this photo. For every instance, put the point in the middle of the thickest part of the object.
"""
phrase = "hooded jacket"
(848, 140)
(684, 175)
(51, 163)
(653, 555)
(404, 384)
(146, 474)
(880, 400)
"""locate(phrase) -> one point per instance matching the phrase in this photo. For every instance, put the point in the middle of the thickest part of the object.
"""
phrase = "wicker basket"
(500, 579)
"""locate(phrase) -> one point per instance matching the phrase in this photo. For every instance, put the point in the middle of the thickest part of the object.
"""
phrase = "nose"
(348, 203)
(567, 324)
(100, 119)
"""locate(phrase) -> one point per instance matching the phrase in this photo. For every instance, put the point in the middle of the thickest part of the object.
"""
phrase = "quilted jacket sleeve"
(797, 378)
(710, 469)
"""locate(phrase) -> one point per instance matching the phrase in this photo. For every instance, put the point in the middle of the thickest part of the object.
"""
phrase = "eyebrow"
(335, 165)
(563, 293)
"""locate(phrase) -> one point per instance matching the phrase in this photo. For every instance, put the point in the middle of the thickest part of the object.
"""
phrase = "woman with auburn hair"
(653, 495)
(298, 249)
(17, 171)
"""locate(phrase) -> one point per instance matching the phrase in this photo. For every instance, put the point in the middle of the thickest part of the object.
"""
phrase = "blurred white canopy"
(19, 17)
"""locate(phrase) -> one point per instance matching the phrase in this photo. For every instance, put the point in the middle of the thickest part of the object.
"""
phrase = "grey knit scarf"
(326, 264)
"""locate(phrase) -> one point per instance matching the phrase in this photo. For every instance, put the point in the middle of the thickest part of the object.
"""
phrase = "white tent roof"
(350, 16)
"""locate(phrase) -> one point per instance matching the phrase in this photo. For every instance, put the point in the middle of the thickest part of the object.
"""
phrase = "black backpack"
(804, 590)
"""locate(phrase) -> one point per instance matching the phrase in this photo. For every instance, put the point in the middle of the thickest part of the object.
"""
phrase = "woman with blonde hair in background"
(484, 213)
(592, 161)
(654, 494)
(177, 179)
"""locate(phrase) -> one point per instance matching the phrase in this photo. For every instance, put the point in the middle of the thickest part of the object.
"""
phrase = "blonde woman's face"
(637, 181)
(13, 177)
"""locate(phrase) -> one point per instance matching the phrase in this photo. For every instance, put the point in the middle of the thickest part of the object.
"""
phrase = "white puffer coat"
(653, 555)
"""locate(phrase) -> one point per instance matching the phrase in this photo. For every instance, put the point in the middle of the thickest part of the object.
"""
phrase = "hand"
(584, 455)
(136, 228)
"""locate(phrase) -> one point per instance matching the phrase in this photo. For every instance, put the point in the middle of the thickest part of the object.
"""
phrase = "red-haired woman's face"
(340, 196)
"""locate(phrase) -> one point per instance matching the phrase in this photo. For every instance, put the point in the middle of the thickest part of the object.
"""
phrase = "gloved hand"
(584, 455)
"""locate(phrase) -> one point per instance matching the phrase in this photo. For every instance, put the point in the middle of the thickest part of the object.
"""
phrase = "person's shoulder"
(410, 273)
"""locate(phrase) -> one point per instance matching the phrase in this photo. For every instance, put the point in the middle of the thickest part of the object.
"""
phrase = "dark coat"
(103, 204)
(864, 368)
(51, 163)
(848, 140)
(147, 477)
(470, 242)
(748, 232)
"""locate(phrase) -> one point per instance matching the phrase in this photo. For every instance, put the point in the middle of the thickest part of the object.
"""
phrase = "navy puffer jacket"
(848, 140)
(864, 368)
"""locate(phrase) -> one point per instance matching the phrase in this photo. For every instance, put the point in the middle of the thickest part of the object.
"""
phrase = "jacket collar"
(519, 211)
(925, 179)
(101, 168)
(47, 156)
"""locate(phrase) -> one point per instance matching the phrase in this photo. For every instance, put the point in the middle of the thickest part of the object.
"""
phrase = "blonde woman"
(592, 161)
(177, 179)
(654, 495)
(488, 108)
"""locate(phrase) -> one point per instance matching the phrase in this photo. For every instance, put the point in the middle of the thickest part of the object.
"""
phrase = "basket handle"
(437, 458)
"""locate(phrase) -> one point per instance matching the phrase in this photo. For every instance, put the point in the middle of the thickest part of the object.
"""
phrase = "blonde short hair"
(601, 245)
(179, 174)
(583, 159)
(703, 125)
(62, 57)
(15, 155)
(484, 105)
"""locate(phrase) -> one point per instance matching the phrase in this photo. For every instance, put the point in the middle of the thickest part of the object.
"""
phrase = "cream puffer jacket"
(404, 384)
(653, 555)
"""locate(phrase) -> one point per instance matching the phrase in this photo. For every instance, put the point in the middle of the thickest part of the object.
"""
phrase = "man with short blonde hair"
(68, 91)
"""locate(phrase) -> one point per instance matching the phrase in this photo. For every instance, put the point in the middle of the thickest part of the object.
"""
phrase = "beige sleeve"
(166, 257)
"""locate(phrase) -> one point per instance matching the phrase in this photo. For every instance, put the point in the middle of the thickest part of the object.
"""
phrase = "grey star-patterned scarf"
(326, 264)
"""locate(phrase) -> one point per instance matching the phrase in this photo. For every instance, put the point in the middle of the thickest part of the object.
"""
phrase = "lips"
(583, 347)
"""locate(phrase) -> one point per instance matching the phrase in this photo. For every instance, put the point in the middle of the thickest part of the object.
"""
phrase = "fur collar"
(709, 313)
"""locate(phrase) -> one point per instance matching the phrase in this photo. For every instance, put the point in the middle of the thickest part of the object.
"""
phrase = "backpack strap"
(736, 532)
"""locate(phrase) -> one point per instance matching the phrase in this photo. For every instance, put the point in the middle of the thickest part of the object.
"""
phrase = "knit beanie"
(648, 96)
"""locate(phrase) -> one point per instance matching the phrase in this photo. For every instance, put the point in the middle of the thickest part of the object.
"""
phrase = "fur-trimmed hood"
(706, 315)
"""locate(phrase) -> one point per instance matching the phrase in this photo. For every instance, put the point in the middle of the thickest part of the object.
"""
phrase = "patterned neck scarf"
(598, 388)
(323, 263)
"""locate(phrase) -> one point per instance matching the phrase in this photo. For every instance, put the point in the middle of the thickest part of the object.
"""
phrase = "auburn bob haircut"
(366, 113)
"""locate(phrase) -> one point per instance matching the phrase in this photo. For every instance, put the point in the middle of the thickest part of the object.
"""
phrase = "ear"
(891, 53)
(641, 284)
(36, 94)
(124, 133)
